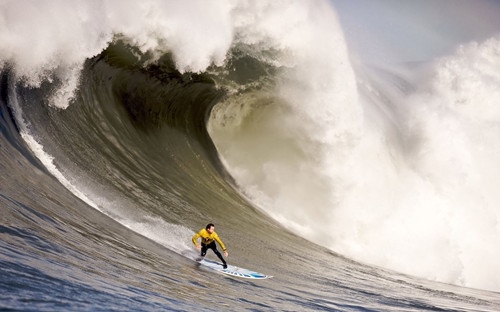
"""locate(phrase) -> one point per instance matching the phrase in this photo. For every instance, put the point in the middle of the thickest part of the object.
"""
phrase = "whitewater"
(349, 150)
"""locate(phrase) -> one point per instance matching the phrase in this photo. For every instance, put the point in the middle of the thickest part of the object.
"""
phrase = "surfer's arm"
(195, 239)
(216, 237)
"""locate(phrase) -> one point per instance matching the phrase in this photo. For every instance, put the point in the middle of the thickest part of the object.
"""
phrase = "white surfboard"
(233, 270)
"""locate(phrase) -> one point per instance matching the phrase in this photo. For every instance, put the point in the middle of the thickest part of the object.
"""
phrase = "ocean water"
(350, 150)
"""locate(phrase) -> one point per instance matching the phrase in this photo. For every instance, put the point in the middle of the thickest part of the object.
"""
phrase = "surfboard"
(232, 270)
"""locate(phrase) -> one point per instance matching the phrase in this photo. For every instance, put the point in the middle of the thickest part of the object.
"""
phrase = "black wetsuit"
(205, 247)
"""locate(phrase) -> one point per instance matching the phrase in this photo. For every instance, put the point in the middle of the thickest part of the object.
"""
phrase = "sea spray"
(386, 188)
(288, 129)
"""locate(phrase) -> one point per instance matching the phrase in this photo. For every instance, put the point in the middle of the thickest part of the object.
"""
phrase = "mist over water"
(395, 166)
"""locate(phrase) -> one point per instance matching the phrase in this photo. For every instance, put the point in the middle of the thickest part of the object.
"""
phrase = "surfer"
(208, 238)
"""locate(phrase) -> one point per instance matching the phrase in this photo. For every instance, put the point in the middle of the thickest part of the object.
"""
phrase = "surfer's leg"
(203, 249)
(217, 253)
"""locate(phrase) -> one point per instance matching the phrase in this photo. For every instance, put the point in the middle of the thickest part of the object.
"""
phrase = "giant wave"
(159, 117)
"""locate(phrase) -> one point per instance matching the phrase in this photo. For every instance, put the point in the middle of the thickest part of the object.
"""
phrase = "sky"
(407, 30)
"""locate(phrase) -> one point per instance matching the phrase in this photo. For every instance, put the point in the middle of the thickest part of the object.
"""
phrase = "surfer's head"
(210, 227)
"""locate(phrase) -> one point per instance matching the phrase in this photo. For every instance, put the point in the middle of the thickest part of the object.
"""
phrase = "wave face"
(358, 184)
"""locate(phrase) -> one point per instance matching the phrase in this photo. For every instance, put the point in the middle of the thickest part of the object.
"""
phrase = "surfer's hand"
(226, 254)
(198, 247)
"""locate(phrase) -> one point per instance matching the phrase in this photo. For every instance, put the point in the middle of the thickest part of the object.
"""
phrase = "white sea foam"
(52, 39)
(319, 161)
(173, 236)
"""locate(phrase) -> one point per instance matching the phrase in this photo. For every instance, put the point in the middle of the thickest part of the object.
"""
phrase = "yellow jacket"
(207, 238)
